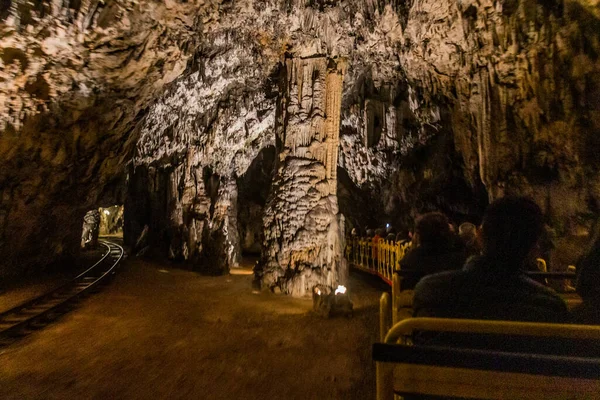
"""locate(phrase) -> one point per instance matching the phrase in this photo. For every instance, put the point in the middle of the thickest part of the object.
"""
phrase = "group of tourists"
(480, 272)
(483, 274)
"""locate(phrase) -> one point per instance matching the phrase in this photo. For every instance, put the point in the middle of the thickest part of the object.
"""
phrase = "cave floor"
(167, 333)
(14, 292)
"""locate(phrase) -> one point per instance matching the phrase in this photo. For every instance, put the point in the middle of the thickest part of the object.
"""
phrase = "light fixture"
(340, 289)
(328, 302)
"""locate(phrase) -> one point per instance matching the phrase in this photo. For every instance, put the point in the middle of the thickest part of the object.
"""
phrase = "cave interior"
(270, 129)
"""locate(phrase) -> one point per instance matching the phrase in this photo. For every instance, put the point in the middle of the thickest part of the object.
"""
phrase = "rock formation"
(90, 230)
(444, 104)
(303, 241)
(111, 220)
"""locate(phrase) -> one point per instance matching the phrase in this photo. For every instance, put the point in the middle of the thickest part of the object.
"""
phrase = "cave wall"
(520, 80)
(200, 137)
(75, 77)
(492, 97)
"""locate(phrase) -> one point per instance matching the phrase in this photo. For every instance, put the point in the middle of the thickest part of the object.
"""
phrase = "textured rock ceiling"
(443, 100)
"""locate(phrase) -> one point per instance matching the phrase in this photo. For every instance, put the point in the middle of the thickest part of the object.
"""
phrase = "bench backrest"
(483, 374)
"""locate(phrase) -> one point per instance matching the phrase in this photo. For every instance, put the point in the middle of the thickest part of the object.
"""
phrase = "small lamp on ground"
(328, 302)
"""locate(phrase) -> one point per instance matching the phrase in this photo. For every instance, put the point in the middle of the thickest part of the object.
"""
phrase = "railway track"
(37, 312)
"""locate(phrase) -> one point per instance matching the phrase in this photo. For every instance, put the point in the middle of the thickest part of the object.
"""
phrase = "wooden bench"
(483, 374)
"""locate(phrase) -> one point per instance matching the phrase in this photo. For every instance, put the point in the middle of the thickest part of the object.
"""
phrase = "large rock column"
(303, 239)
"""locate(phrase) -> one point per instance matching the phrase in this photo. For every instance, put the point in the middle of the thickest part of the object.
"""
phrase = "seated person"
(434, 251)
(588, 284)
(391, 237)
(493, 285)
(404, 236)
(467, 232)
(375, 244)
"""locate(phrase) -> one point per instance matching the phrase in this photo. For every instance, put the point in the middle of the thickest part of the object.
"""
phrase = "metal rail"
(537, 329)
(377, 257)
(470, 373)
(13, 321)
(384, 258)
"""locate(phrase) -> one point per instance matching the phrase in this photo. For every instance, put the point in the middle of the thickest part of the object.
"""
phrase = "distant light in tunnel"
(106, 212)
(340, 289)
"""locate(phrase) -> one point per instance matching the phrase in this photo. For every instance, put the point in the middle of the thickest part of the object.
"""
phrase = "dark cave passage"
(254, 187)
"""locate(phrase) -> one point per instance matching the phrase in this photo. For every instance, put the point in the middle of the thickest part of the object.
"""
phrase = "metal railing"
(485, 374)
(382, 257)
(40, 309)
(376, 256)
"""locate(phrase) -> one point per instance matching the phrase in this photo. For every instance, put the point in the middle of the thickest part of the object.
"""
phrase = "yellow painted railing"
(486, 383)
(380, 257)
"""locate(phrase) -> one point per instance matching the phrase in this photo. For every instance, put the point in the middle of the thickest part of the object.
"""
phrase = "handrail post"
(384, 372)
(388, 259)
(384, 261)
(362, 253)
(384, 315)
(379, 248)
(385, 380)
(395, 295)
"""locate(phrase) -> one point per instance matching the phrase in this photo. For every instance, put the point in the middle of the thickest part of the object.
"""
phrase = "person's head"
(588, 279)
(452, 228)
(433, 229)
(467, 232)
(379, 232)
(402, 234)
(588, 269)
(511, 229)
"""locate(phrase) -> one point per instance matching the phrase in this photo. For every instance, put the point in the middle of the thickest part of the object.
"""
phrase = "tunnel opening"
(111, 220)
(254, 187)
(103, 221)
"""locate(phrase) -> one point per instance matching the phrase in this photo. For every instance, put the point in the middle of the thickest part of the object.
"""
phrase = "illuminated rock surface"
(91, 229)
(444, 104)
(303, 237)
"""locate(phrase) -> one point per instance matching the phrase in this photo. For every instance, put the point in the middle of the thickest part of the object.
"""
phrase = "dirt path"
(158, 333)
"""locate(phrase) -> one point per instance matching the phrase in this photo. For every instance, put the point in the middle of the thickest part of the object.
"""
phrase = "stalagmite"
(303, 238)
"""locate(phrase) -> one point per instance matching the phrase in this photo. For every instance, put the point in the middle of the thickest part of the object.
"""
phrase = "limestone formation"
(111, 220)
(163, 106)
(303, 241)
(90, 230)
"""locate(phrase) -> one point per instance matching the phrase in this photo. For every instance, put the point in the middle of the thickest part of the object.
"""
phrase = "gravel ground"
(160, 333)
